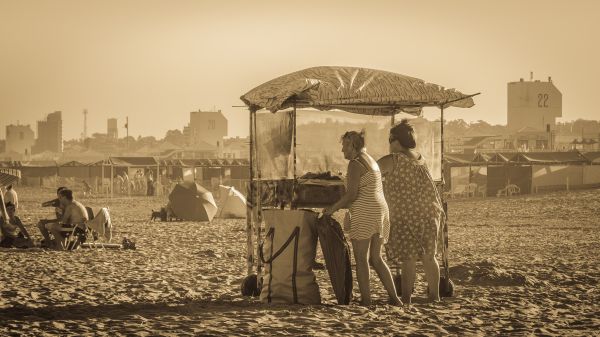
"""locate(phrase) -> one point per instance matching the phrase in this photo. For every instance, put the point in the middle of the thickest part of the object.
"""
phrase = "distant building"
(533, 104)
(112, 130)
(19, 139)
(236, 148)
(49, 136)
(206, 127)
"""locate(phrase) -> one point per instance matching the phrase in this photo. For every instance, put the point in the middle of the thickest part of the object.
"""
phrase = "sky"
(155, 61)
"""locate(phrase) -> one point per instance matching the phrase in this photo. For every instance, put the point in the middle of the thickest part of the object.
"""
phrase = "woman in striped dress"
(369, 216)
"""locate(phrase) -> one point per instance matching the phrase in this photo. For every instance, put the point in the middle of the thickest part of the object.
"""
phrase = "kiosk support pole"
(249, 207)
(295, 181)
(257, 200)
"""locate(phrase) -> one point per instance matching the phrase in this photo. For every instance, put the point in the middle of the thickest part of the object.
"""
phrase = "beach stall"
(591, 171)
(457, 167)
(39, 173)
(552, 170)
(276, 186)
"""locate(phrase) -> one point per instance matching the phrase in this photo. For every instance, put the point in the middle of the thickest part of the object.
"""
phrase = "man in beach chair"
(43, 224)
(14, 233)
(72, 223)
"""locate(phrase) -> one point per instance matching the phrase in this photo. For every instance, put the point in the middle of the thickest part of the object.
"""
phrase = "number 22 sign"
(542, 100)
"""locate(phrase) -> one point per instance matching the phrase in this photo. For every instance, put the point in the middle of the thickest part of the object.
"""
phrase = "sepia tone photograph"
(314, 168)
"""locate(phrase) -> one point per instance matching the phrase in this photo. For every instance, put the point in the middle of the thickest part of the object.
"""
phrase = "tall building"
(19, 139)
(206, 126)
(533, 104)
(49, 136)
(112, 130)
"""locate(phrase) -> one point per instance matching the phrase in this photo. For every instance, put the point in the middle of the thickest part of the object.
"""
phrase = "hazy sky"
(155, 61)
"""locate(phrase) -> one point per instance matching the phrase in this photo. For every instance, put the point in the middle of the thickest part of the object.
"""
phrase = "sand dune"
(521, 265)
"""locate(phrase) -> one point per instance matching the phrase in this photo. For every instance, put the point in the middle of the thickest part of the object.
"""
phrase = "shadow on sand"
(147, 310)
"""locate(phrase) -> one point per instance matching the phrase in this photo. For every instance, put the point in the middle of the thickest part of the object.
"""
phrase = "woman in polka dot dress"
(415, 211)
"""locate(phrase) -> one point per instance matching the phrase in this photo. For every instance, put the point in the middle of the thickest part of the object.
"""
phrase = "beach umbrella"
(190, 201)
(337, 257)
(9, 176)
(233, 203)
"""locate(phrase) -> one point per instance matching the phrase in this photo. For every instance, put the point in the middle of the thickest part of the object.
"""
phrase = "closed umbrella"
(337, 257)
(190, 201)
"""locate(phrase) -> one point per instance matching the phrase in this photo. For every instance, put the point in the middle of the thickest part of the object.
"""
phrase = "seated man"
(43, 224)
(75, 216)
(14, 233)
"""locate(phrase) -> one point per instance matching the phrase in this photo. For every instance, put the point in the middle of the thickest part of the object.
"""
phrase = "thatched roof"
(356, 90)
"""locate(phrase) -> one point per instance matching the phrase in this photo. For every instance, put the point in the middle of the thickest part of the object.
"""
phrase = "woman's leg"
(382, 269)
(432, 275)
(409, 273)
(361, 252)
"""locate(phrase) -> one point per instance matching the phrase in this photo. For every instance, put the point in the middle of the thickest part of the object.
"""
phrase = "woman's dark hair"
(67, 193)
(404, 134)
(60, 189)
(357, 139)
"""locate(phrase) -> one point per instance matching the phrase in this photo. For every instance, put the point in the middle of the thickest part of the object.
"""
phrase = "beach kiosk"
(327, 88)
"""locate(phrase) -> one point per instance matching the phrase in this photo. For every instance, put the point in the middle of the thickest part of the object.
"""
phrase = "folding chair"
(76, 235)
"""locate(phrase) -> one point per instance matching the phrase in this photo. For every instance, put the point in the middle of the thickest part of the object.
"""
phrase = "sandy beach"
(521, 265)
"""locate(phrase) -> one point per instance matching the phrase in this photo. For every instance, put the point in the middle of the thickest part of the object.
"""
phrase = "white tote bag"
(288, 254)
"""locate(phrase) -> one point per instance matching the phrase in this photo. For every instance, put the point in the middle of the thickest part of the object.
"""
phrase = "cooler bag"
(288, 254)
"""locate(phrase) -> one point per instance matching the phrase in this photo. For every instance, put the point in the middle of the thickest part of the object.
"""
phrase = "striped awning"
(355, 90)
(9, 176)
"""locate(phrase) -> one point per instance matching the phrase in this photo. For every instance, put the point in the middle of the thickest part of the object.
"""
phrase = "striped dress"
(369, 213)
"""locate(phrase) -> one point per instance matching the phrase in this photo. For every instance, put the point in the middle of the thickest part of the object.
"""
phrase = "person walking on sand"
(415, 211)
(369, 221)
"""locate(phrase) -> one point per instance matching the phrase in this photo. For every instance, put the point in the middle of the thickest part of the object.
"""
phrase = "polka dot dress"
(415, 209)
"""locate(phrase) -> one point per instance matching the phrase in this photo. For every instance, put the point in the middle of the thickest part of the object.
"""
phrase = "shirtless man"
(75, 215)
(59, 210)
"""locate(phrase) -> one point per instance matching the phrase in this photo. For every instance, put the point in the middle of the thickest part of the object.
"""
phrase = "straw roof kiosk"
(351, 89)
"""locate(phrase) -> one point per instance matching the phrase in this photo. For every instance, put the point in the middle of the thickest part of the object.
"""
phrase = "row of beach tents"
(488, 174)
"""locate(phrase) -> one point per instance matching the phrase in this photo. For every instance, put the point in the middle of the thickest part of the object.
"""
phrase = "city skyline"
(156, 62)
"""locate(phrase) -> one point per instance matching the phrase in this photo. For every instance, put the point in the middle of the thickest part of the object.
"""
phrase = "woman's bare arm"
(386, 164)
(352, 182)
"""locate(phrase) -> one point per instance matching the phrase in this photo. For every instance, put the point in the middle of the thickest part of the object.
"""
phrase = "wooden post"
(258, 200)
(102, 179)
(567, 183)
(112, 183)
(295, 181)
(249, 208)
(157, 186)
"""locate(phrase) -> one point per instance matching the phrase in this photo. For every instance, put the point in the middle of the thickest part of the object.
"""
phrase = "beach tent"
(233, 203)
(190, 201)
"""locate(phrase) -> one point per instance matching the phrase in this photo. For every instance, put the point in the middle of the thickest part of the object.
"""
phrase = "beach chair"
(482, 190)
(513, 190)
(471, 190)
(74, 237)
(458, 190)
(502, 192)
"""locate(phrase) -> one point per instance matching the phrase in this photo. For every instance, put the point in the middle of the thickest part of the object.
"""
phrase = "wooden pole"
(102, 178)
(295, 181)
(258, 200)
(112, 183)
(249, 206)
